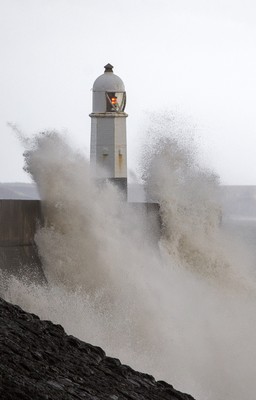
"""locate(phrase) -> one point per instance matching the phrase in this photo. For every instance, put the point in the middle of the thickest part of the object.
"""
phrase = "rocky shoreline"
(40, 361)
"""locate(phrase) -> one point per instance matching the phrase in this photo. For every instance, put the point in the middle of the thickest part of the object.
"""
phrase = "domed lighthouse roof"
(108, 93)
(108, 82)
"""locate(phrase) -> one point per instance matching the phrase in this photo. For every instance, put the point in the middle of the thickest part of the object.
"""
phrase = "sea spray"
(167, 309)
(188, 195)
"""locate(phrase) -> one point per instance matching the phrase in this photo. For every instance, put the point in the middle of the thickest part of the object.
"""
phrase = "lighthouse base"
(121, 183)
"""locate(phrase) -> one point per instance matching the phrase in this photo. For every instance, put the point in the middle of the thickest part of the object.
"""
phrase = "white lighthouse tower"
(108, 128)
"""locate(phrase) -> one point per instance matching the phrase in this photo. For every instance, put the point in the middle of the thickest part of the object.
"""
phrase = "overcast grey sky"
(197, 56)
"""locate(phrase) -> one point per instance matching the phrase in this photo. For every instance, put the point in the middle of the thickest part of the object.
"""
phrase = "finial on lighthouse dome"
(108, 92)
(108, 68)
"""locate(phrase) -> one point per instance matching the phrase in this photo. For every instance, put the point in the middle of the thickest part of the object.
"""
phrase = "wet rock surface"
(38, 360)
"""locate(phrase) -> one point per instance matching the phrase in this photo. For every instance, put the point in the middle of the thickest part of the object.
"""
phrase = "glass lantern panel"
(115, 101)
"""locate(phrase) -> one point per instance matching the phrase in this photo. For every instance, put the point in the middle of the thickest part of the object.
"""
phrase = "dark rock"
(40, 361)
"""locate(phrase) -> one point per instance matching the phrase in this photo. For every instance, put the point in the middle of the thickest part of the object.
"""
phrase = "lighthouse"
(108, 129)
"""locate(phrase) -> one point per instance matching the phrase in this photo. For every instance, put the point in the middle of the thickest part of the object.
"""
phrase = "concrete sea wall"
(19, 220)
(18, 223)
